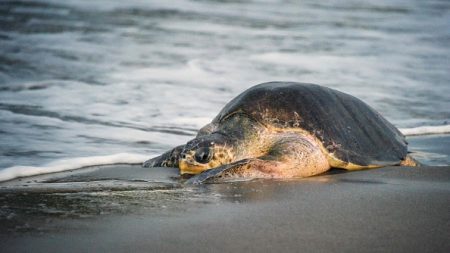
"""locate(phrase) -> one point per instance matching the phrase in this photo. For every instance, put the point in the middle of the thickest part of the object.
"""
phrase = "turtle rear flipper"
(410, 161)
(287, 158)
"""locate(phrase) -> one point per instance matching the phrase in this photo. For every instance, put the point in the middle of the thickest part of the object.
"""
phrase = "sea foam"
(426, 130)
(71, 164)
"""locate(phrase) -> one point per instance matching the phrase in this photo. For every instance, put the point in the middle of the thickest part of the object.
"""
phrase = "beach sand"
(125, 208)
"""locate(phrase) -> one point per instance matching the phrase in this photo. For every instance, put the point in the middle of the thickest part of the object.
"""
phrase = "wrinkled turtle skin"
(288, 129)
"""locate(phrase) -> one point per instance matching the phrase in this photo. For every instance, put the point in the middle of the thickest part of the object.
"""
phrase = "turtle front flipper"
(224, 173)
(289, 157)
(168, 159)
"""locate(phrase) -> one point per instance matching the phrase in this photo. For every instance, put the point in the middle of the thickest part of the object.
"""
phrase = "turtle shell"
(350, 130)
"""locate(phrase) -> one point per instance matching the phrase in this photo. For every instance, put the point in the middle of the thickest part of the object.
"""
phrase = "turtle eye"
(203, 155)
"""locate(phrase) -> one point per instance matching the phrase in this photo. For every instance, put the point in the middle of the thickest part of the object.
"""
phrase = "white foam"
(71, 164)
(425, 130)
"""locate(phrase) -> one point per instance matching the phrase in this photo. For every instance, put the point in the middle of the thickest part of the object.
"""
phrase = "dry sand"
(128, 209)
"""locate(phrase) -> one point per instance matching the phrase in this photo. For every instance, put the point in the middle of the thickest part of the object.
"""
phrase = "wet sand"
(125, 209)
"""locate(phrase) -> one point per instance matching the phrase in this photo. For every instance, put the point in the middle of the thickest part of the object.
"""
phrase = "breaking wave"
(71, 164)
(425, 130)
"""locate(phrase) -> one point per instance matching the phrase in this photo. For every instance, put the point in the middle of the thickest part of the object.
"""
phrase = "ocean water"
(99, 78)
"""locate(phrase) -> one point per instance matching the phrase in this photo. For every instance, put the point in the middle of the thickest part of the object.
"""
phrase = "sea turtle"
(288, 129)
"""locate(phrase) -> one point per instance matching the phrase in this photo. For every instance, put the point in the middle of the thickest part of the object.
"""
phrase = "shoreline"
(425, 148)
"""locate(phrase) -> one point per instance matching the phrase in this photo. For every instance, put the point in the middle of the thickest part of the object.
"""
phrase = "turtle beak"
(186, 168)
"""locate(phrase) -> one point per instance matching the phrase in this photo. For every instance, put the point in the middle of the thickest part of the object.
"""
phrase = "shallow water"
(83, 78)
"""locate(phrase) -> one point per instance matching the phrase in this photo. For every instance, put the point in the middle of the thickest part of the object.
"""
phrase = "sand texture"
(131, 209)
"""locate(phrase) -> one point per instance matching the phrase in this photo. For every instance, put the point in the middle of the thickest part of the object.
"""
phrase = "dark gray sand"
(127, 209)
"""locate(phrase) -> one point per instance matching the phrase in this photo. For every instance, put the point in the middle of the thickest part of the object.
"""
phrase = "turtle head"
(206, 152)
